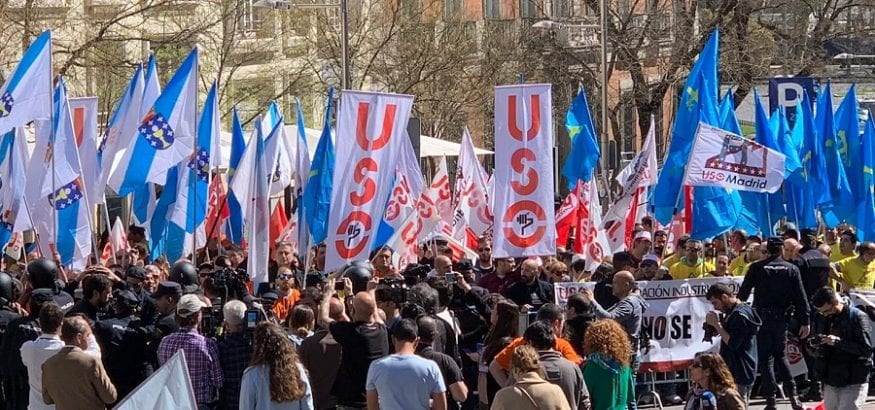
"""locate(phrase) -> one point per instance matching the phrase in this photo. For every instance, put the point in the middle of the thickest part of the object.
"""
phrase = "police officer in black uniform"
(815, 270)
(43, 274)
(134, 277)
(122, 341)
(7, 314)
(19, 331)
(779, 293)
(166, 297)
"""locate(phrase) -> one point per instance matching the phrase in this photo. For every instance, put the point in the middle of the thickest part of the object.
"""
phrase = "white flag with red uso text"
(720, 158)
(440, 192)
(525, 222)
(590, 239)
(370, 130)
(472, 211)
(641, 172)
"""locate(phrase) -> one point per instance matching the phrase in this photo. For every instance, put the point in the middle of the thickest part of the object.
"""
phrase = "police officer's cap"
(42, 273)
(42, 295)
(168, 288)
(774, 244)
(135, 272)
(127, 298)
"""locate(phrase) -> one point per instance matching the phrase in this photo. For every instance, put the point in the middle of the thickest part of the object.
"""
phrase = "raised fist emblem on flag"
(157, 131)
(6, 102)
(200, 164)
(524, 232)
(67, 195)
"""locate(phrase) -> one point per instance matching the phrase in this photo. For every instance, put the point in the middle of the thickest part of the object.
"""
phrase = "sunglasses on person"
(485, 250)
(284, 276)
(694, 249)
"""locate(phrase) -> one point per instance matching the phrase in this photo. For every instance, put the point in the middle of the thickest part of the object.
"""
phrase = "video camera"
(230, 283)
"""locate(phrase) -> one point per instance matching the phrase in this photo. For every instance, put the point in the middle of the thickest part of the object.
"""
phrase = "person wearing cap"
(201, 353)
(778, 287)
(629, 260)
(19, 331)
(649, 269)
(857, 272)
(136, 279)
(166, 298)
(123, 340)
(692, 265)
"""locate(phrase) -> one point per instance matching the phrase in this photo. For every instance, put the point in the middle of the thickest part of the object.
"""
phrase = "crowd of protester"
(444, 333)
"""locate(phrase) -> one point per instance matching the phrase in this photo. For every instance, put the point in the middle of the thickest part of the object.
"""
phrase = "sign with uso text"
(370, 134)
(525, 223)
(720, 158)
(674, 318)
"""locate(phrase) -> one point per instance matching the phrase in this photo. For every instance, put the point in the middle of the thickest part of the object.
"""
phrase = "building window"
(561, 9)
(492, 9)
(528, 9)
(452, 9)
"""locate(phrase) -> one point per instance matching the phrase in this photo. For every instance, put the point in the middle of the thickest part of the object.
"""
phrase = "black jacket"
(778, 286)
(521, 293)
(850, 360)
(814, 269)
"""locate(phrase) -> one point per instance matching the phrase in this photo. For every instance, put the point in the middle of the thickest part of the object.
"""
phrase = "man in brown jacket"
(73, 379)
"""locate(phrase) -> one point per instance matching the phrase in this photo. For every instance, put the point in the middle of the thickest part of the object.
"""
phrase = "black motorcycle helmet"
(185, 274)
(7, 289)
(360, 273)
(42, 273)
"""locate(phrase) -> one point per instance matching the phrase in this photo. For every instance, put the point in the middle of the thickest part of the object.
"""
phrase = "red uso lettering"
(512, 126)
(519, 212)
(355, 225)
(516, 163)
(367, 183)
(361, 129)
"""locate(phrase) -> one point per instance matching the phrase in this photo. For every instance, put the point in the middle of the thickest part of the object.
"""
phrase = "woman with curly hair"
(715, 388)
(607, 372)
(275, 379)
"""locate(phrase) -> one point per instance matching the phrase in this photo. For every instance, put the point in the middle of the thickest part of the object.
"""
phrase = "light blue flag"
(765, 135)
(12, 182)
(715, 209)
(235, 215)
(316, 199)
(812, 165)
(585, 151)
(866, 207)
(847, 124)
(728, 120)
(665, 193)
(158, 225)
(836, 201)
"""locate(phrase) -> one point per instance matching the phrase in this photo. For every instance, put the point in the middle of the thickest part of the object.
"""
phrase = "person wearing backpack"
(842, 346)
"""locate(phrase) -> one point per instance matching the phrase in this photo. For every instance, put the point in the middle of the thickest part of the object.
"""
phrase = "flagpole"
(677, 201)
(109, 229)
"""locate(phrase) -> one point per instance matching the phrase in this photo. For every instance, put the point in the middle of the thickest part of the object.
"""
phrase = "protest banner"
(674, 318)
(525, 224)
(720, 158)
(376, 123)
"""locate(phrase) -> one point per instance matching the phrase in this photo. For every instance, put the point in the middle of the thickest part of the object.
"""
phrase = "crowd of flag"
(157, 139)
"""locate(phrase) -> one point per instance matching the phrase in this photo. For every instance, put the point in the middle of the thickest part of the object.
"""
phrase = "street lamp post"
(343, 6)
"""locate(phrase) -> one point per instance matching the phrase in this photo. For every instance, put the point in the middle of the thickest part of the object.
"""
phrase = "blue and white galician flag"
(121, 128)
(190, 209)
(165, 136)
(27, 93)
(257, 212)
(67, 187)
(84, 112)
(11, 182)
(241, 185)
(143, 200)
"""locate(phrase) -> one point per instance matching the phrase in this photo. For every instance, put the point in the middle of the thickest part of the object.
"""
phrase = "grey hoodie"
(628, 312)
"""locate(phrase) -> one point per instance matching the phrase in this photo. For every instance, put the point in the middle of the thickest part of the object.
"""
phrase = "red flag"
(118, 240)
(218, 209)
(632, 217)
(278, 222)
(566, 216)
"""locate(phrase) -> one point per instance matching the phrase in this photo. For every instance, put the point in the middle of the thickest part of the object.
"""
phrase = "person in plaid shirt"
(201, 353)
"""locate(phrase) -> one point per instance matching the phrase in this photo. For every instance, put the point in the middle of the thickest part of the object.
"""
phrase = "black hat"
(185, 274)
(42, 273)
(774, 244)
(464, 265)
(42, 295)
(270, 295)
(127, 298)
(168, 288)
(135, 272)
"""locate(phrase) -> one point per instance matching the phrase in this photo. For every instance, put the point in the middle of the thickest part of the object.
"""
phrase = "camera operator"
(737, 330)
(843, 350)
(390, 296)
